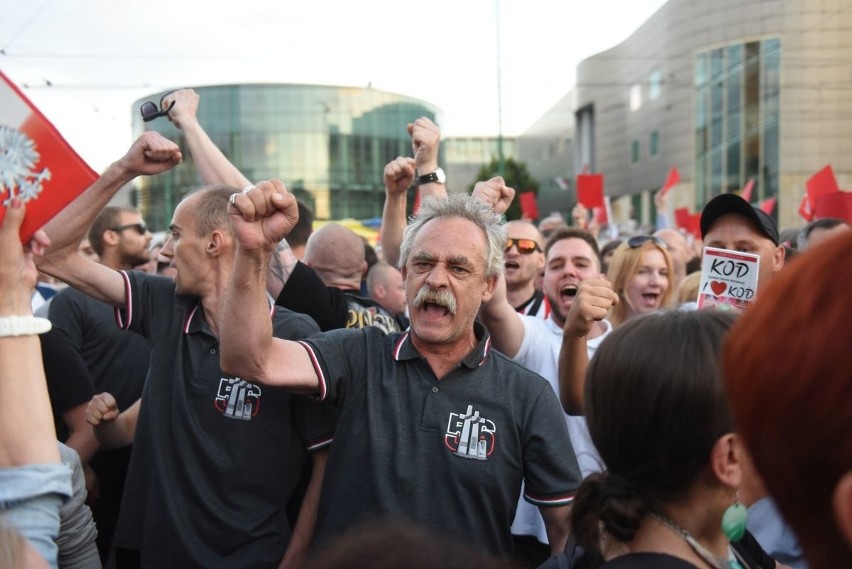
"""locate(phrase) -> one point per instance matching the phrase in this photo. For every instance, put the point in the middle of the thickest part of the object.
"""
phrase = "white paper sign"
(728, 278)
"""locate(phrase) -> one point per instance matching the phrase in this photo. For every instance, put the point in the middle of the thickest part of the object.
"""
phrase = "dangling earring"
(734, 520)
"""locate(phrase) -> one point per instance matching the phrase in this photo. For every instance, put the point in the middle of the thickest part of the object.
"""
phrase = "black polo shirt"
(450, 454)
(216, 457)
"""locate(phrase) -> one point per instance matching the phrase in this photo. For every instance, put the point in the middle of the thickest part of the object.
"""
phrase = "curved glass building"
(328, 144)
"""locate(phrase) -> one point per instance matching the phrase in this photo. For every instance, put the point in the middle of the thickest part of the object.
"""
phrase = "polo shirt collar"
(403, 348)
(196, 322)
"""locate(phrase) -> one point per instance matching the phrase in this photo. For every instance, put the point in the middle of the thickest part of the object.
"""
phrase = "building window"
(737, 118)
(635, 97)
(634, 152)
(654, 144)
(655, 85)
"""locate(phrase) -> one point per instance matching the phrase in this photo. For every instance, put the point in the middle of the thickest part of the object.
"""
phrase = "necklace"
(731, 563)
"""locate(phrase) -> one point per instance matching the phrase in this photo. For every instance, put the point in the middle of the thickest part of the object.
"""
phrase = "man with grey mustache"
(435, 427)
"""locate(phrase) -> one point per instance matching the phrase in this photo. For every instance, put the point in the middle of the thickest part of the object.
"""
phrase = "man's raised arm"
(212, 165)
(503, 323)
(150, 154)
(260, 218)
(398, 176)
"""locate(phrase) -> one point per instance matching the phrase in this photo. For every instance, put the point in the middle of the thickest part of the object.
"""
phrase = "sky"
(83, 63)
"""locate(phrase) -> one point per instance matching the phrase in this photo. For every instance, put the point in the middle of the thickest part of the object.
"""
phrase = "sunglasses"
(525, 246)
(639, 240)
(140, 228)
(150, 111)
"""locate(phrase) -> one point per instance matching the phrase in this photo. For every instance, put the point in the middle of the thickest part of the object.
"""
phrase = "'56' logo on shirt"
(470, 435)
(238, 399)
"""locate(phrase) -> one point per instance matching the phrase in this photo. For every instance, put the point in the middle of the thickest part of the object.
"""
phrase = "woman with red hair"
(788, 373)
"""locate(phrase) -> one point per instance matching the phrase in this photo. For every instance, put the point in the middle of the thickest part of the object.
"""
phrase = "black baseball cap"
(732, 203)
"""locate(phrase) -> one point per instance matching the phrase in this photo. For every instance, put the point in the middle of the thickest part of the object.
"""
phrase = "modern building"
(463, 157)
(547, 149)
(726, 92)
(328, 144)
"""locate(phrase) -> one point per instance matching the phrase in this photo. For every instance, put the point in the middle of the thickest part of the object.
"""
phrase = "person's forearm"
(83, 440)
(211, 163)
(246, 328)
(557, 525)
(27, 434)
(393, 224)
(303, 533)
(573, 361)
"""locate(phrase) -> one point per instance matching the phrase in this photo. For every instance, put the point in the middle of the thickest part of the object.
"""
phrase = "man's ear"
(110, 237)
(488, 292)
(217, 243)
(378, 292)
(778, 258)
(842, 505)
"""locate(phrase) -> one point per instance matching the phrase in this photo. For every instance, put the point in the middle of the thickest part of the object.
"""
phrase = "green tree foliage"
(516, 175)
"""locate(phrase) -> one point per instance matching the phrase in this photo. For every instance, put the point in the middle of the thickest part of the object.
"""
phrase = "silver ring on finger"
(232, 201)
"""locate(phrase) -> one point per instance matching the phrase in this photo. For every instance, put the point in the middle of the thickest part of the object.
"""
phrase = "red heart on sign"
(718, 287)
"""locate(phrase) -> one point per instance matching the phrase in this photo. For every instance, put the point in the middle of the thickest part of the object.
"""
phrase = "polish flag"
(672, 180)
(37, 165)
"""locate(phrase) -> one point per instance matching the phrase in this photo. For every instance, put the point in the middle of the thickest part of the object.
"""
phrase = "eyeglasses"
(151, 111)
(525, 246)
(639, 240)
(140, 228)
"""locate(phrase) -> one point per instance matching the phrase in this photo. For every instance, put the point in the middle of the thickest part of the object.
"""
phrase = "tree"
(516, 175)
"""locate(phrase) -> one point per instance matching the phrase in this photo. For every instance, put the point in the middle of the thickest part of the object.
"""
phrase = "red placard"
(37, 165)
(682, 218)
(529, 206)
(590, 190)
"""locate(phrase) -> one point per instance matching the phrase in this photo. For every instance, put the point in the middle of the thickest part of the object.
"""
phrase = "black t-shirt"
(332, 307)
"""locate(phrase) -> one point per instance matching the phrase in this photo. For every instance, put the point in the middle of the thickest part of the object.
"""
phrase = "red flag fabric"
(590, 190)
(838, 204)
(529, 206)
(821, 183)
(805, 209)
(672, 179)
(37, 165)
(768, 205)
(747, 190)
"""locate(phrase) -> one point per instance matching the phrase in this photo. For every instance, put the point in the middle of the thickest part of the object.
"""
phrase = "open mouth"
(651, 298)
(569, 291)
(435, 309)
(511, 265)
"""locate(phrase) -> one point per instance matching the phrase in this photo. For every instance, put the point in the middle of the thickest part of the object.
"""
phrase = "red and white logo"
(470, 435)
(238, 399)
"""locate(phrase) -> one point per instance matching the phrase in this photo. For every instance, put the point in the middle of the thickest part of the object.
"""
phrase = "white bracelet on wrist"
(23, 326)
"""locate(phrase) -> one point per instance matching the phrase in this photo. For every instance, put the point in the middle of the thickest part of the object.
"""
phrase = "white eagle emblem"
(18, 158)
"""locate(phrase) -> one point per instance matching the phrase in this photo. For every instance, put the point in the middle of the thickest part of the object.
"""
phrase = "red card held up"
(590, 190)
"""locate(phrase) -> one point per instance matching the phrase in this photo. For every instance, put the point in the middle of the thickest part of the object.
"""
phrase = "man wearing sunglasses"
(86, 354)
(524, 262)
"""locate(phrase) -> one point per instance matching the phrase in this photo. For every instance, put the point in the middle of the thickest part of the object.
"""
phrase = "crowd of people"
(253, 393)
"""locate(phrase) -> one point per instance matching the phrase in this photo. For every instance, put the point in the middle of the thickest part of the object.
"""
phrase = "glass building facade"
(328, 144)
(737, 114)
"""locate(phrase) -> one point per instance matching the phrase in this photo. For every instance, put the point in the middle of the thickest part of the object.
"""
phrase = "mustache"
(441, 297)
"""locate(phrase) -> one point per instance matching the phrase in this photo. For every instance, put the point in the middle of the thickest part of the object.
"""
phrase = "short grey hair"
(465, 207)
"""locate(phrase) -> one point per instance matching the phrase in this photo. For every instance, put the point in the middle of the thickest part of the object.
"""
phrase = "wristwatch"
(436, 176)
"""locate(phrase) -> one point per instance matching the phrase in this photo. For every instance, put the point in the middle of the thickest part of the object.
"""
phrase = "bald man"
(327, 283)
(679, 251)
(386, 287)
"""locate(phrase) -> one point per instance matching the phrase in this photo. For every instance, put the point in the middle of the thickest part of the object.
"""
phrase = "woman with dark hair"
(662, 426)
